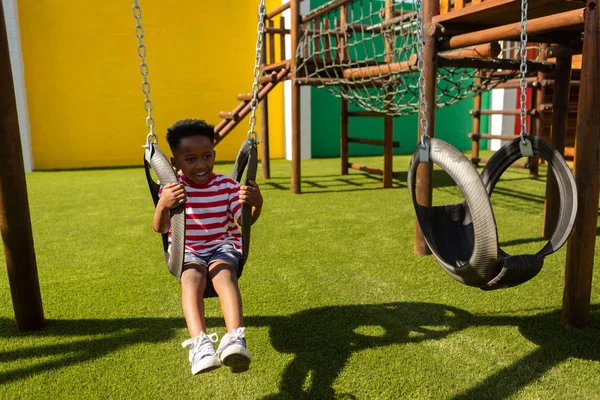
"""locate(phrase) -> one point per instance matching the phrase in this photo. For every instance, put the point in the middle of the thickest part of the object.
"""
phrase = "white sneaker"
(232, 351)
(202, 353)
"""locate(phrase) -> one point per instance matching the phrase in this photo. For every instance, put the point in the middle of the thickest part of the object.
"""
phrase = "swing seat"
(463, 237)
(520, 268)
(246, 161)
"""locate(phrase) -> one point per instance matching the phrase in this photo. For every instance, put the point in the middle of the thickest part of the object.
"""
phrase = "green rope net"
(358, 51)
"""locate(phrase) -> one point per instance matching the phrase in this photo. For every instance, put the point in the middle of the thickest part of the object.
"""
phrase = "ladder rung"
(244, 96)
(370, 170)
(229, 115)
(569, 152)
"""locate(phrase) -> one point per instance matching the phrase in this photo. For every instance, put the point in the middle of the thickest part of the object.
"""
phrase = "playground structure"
(449, 27)
(458, 35)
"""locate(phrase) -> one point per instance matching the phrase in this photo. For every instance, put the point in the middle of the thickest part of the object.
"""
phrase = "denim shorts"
(226, 252)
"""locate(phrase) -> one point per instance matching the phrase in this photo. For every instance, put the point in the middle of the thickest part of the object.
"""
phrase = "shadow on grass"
(506, 243)
(355, 181)
(322, 341)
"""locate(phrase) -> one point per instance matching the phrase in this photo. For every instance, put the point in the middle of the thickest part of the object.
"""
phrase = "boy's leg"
(232, 349)
(225, 282)
(193, 283)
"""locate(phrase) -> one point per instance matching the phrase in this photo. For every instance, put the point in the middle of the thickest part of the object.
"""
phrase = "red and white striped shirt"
(209, 214)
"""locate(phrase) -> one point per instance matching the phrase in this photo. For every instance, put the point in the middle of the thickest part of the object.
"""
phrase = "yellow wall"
(84, 85)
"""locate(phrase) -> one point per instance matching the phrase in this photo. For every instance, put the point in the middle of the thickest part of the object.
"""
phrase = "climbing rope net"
(360, 51)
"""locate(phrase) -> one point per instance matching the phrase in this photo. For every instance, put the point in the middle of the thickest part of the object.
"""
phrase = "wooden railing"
(450, 5)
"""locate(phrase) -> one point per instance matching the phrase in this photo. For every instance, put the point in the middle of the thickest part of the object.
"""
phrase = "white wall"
(502, 99)
(305, 120)
(11, 17)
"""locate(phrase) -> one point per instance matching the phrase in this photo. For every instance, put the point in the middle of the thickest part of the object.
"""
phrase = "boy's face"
(195, 157)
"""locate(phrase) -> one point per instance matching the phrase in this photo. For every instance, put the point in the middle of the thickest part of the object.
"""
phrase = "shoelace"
(234, 337)
(201, 345)
(206, 346)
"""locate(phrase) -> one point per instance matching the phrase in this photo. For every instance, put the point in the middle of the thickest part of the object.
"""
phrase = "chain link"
(421, 66)
(523, 69)
(260, 28)
(139, 32)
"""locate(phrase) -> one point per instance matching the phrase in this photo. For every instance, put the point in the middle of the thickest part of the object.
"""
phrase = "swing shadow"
(321, 340)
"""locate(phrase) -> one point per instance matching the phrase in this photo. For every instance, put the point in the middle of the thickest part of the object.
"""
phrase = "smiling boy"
(213, 245)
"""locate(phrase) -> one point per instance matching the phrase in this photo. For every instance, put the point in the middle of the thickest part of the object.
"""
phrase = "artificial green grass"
(336, 304)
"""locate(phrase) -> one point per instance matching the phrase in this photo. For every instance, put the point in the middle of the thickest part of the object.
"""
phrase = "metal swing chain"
(421, 67)
(523, 68)
(255, 86)
(139, 32)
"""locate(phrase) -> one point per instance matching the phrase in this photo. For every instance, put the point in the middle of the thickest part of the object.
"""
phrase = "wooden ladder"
(271, 75)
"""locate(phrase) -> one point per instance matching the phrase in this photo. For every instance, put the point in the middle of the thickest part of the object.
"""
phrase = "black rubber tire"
(521, 268)
(462, 237)
(166, 174)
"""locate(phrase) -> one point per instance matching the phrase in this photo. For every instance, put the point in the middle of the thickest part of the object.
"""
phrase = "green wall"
(453, 124)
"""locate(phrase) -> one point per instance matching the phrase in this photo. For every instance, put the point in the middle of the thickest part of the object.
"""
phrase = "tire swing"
(520, 268)
(157, 161)
(463, 237)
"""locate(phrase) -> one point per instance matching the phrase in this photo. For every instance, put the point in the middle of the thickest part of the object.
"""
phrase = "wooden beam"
(493, 63)
(424, 178)
(582, 242)
(486, 50)
(566, 20)
(264, 121)
(222, 129)
(316, 13)
(382, 70)
(560, 104)
(500, 112)
(562, 51)
(15, 221)
(476, 125)
(278, 10)
(344, 128)
(295, 97)
(490, 137)
(388, 151)
(358, 167)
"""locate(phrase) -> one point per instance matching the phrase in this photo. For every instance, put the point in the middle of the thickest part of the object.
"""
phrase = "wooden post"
(344, 135)
(582, 242)
(282, 39)
(272, 58)
(264, 114)
(15, 222)
(424, 181)
(538, 98)
(560, 115)
(344, 123)
(476, 123)
(388, 150)
(388, 121)
(534, 126)
(536, 26)
(296, 137)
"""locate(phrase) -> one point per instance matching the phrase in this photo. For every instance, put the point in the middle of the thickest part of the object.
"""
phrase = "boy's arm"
(172, 196)
(250, 195)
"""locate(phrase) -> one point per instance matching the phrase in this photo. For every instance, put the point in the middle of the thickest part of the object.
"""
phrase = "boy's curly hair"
(186, 128)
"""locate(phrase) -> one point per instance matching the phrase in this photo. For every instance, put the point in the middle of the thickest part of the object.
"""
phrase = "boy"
(213, 245)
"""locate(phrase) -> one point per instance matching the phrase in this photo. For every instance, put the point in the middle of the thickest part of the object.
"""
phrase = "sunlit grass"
(336, 304)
